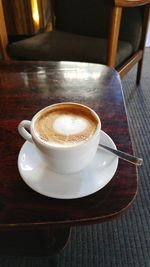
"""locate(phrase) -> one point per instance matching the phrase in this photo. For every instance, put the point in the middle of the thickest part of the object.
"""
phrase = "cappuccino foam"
(66, 125)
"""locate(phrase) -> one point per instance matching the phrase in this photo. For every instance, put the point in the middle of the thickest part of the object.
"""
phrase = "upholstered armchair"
(111, 32)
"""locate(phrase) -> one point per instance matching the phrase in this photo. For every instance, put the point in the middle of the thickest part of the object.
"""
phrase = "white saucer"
(40, 178)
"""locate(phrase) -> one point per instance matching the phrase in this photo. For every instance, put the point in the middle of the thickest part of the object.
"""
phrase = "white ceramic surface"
(40, 178)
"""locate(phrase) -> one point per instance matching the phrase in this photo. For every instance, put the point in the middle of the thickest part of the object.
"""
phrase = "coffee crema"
(65, 125)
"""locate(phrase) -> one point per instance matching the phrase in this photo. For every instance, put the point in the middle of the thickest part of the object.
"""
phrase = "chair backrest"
(91, 18)
(85, 17)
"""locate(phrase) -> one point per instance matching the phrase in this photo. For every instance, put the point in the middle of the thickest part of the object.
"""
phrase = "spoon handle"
(123, 155)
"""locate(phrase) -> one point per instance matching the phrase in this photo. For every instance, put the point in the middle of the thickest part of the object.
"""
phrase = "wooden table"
(25, 88)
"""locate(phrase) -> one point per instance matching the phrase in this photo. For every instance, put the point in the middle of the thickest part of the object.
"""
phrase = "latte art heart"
(70, 125)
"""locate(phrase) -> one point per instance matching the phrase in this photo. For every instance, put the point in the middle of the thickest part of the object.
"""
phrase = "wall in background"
(26, 17)
(148, 37)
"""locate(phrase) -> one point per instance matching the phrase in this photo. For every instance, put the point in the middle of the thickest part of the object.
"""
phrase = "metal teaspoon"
(125, 156)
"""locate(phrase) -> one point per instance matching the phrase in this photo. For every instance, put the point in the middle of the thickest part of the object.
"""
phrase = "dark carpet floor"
(124, 242)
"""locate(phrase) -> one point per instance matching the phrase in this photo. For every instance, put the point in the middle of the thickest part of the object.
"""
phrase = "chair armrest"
(131, 3)
(3, 34)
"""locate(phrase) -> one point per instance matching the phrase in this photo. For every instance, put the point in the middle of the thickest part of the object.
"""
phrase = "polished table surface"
(27, 87)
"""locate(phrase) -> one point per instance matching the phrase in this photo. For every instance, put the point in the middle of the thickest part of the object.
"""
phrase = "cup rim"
(47, 145)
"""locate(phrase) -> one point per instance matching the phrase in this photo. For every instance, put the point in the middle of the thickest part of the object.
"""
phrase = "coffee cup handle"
(23, 125)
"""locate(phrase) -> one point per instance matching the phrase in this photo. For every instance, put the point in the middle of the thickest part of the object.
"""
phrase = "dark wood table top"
(25, 88)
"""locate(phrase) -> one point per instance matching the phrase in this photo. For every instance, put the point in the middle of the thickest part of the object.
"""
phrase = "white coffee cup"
(78, 128)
